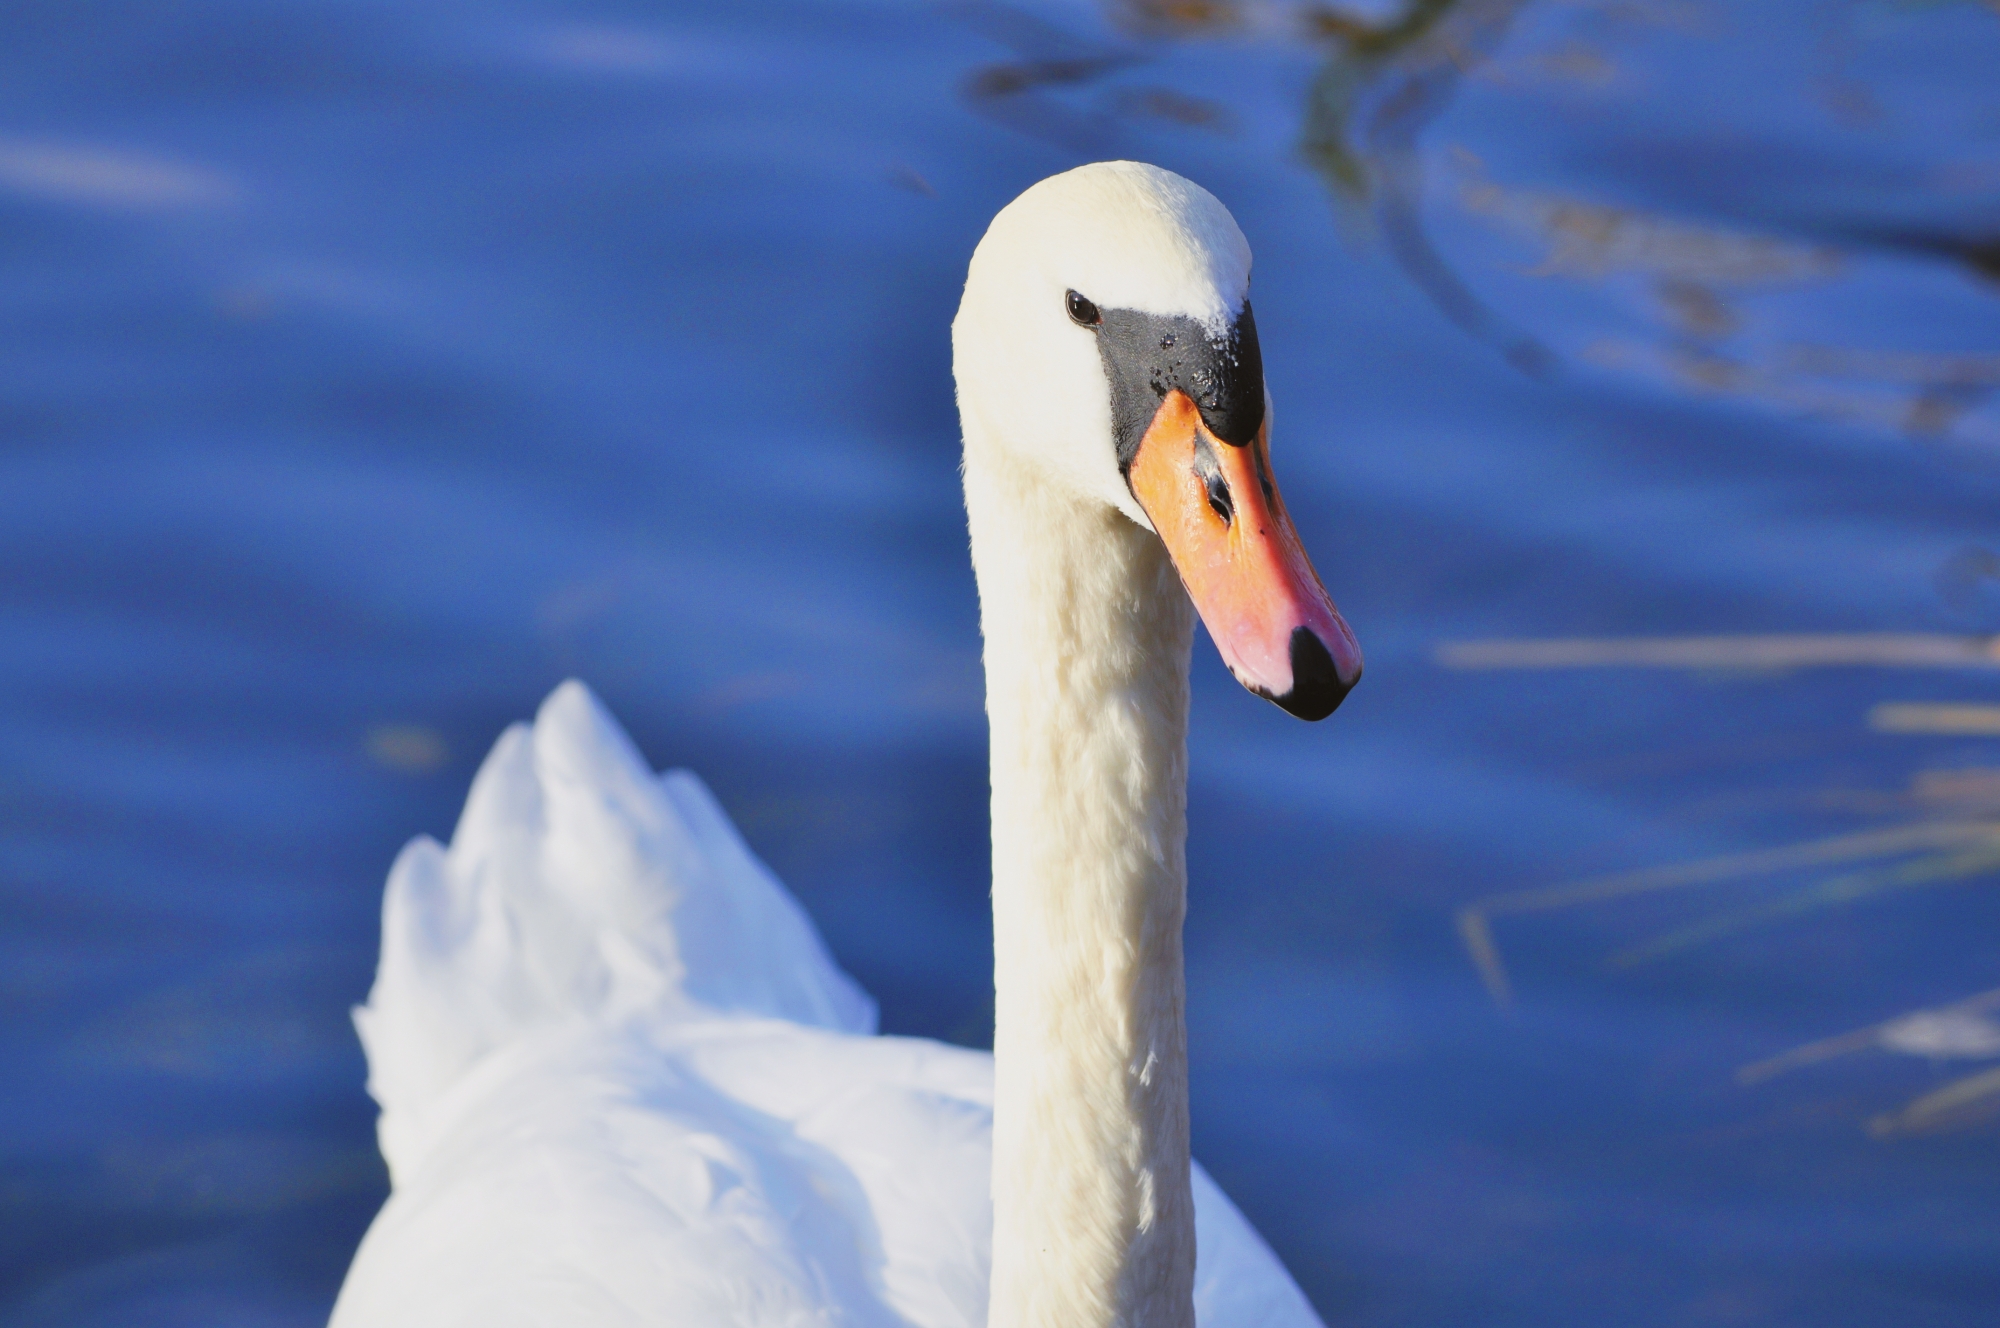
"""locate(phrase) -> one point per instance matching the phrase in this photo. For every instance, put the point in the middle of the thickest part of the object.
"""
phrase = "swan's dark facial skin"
(1188, 422)
(1147, 356)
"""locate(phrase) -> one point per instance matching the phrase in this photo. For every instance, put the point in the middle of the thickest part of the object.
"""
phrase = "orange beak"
(1217, 509)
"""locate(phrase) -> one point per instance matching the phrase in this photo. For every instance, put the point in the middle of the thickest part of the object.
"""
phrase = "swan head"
(1105, 339)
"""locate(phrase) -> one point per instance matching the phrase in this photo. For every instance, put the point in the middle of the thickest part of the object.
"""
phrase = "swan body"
(622, 1081)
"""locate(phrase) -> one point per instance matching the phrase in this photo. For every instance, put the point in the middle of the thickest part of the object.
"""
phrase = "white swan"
(621, 1080)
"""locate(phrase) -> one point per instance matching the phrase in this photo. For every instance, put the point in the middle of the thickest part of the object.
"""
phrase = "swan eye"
(1081, 311)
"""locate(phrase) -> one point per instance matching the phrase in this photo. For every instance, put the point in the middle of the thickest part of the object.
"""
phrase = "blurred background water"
(1615, 956)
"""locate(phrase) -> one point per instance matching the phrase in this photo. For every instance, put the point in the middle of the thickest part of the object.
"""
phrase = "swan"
(621, 1079)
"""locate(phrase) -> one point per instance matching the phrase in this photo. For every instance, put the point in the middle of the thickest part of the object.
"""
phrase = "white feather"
(706, 1134)
(1125, 236)
(623, 1082)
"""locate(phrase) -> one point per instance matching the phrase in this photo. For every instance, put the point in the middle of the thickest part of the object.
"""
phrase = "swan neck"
(1087, 633)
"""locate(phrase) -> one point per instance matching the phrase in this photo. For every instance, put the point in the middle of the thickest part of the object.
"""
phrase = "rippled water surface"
(365, 369)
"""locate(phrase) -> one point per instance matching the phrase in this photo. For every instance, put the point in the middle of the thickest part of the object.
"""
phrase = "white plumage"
(623, 1083)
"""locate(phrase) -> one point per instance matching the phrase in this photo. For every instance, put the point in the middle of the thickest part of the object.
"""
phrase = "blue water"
(366, 369)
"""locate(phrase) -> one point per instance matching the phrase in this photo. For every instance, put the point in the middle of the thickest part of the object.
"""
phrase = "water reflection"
(1954, 839)
(1382, 85)
(1389, 71)
(1389, 74)
(1734, 653)
(1958, 1032)
(1016, 93)
(110, 178)
(1946, 848)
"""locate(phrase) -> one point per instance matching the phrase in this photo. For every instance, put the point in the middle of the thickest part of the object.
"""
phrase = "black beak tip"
(1317, 690)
